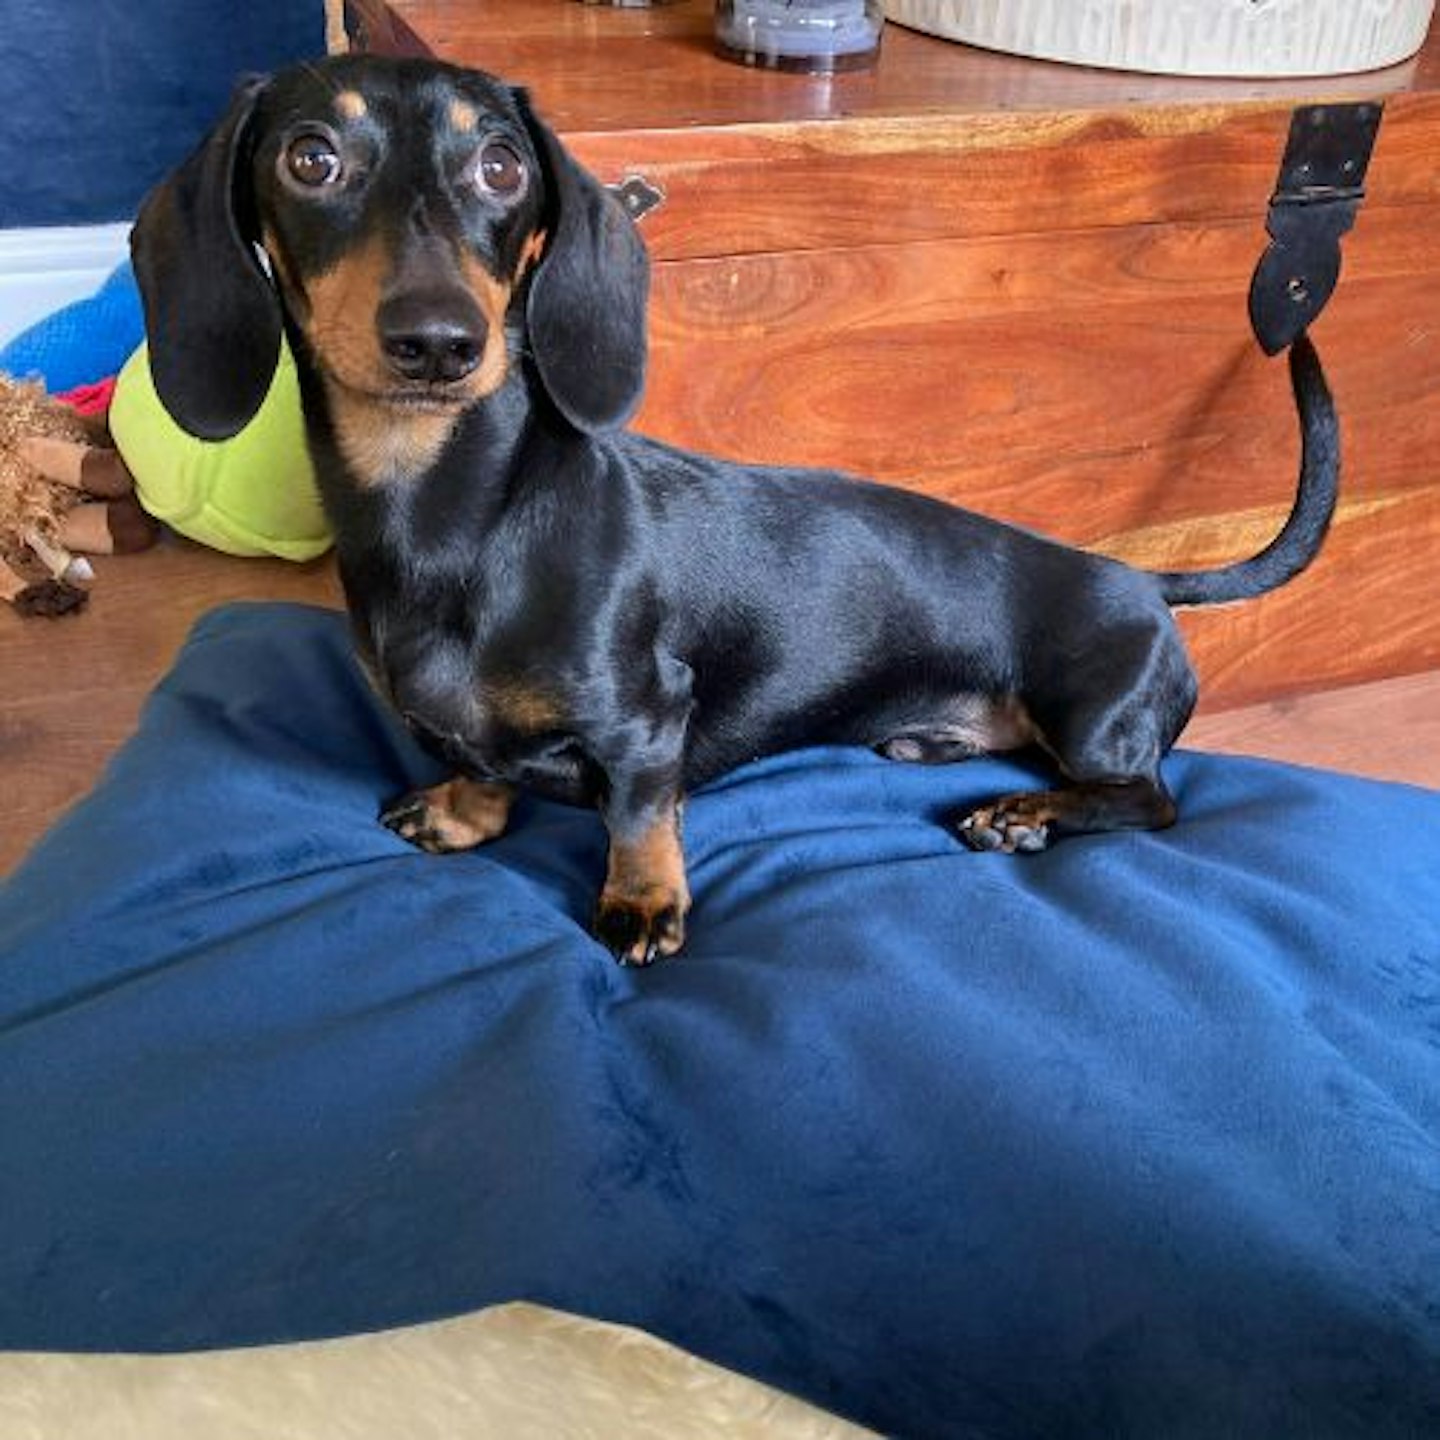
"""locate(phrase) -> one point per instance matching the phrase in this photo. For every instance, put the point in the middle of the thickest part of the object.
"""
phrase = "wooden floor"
(74, 687)
(1388, 729)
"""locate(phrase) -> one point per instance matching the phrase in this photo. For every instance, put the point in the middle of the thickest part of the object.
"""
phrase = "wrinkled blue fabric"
(1138, 1137)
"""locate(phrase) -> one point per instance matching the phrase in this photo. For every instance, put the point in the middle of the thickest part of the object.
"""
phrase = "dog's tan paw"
(456, 815)
(641, 929)
(1015, 825)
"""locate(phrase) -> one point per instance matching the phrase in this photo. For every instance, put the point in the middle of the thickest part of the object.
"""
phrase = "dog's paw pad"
(978, 833)
(1005, 827)
(415, 820)
(457, 815)
(637, 934)
(407, 818)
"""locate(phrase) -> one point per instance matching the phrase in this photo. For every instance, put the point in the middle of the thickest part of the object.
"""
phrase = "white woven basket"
(1185, 37)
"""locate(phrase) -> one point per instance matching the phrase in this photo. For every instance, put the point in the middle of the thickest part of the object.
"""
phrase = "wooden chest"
(1022, 287)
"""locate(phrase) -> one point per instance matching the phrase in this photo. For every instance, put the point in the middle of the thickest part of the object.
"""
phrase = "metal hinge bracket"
(1316, 199)
(637, 195)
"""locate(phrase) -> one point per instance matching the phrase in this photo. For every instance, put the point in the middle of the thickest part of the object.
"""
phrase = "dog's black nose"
(437, 339)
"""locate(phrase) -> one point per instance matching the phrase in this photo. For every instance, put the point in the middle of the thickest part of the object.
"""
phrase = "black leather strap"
(1317, 196)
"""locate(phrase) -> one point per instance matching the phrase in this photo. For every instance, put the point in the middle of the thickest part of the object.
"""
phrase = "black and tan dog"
(550, 601)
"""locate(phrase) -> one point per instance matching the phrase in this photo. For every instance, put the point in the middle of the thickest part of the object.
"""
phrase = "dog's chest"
(466, 706)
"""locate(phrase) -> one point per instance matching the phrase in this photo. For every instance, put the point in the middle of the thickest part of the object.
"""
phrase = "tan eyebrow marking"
(463, 115)
(351, 105)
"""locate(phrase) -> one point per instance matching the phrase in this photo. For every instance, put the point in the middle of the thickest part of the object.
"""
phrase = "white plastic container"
(1252, 38)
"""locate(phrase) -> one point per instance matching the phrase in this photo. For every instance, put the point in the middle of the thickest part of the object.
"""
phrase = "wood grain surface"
(764, 187)
(1389, 730)
(611, 68)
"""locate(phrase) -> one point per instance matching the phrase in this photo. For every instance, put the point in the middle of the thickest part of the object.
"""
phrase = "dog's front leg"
(642, 908)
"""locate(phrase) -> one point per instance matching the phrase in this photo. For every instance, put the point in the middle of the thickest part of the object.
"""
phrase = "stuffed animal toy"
(253, 494)
(63, 490)
(67, 486)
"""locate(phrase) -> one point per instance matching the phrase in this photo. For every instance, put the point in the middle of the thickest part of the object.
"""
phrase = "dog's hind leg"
(1028, 821)
(1107, 725)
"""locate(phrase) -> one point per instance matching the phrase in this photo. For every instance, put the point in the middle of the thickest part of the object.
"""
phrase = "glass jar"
(810, 36)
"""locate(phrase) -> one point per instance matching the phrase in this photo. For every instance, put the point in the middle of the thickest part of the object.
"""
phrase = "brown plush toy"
(63, 489)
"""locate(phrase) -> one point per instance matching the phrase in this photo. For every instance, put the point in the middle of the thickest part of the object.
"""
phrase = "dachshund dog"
(551, 601)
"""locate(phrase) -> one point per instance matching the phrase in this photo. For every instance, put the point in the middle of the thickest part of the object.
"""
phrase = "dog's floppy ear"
(587, 304)
(212, 317)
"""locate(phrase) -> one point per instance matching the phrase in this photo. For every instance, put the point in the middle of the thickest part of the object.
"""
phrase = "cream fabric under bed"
(509, 1373)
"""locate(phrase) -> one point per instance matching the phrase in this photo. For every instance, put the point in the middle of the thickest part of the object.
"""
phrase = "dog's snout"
(431, 337)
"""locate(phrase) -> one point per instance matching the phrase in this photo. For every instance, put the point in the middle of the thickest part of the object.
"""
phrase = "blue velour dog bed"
(1138, 1137)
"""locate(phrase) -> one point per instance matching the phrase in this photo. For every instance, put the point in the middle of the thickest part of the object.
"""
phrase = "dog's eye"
(500, 170)
(312, 160)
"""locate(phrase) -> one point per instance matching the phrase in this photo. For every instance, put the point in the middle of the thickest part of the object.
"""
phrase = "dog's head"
(412, 213)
